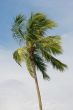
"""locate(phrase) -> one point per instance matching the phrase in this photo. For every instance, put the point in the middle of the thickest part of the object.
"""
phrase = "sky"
(17, 88)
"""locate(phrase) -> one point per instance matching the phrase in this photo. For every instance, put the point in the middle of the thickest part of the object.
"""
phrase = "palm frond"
(18, 56)
(40, 64)
(38, 23)
(21, 55)
(29, 65)
(55, 63)
(51, 44)
(18, 28)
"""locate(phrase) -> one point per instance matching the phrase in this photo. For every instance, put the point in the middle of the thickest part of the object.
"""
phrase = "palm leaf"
(50, 44)
(21, 55)
(41, 65)
(18, 28)
(37, 24)
(18, 56)
(29, 65)
(55, 63)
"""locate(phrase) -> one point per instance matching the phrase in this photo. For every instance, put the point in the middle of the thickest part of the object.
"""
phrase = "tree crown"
(38, 47)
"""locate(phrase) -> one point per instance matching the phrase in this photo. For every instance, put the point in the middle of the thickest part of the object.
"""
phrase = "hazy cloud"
(17, 89)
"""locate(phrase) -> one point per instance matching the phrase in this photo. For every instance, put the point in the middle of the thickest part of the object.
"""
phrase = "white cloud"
(17, 89)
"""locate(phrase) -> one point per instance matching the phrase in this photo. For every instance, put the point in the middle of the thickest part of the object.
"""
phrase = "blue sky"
(60, 11)
(57, 94)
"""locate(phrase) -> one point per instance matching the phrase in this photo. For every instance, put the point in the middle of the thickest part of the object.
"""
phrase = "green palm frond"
(38, 23)
(51, 44)
(39, 20)
(40, 64)
(29, 65)
(55, 63)
(21, 55)
(18, 28)
(18, 56)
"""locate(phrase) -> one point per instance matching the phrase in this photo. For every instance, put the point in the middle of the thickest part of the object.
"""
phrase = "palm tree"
(38, 47)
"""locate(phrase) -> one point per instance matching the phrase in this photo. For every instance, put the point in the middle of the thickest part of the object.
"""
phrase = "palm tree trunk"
(38, 93)
(36, 80)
